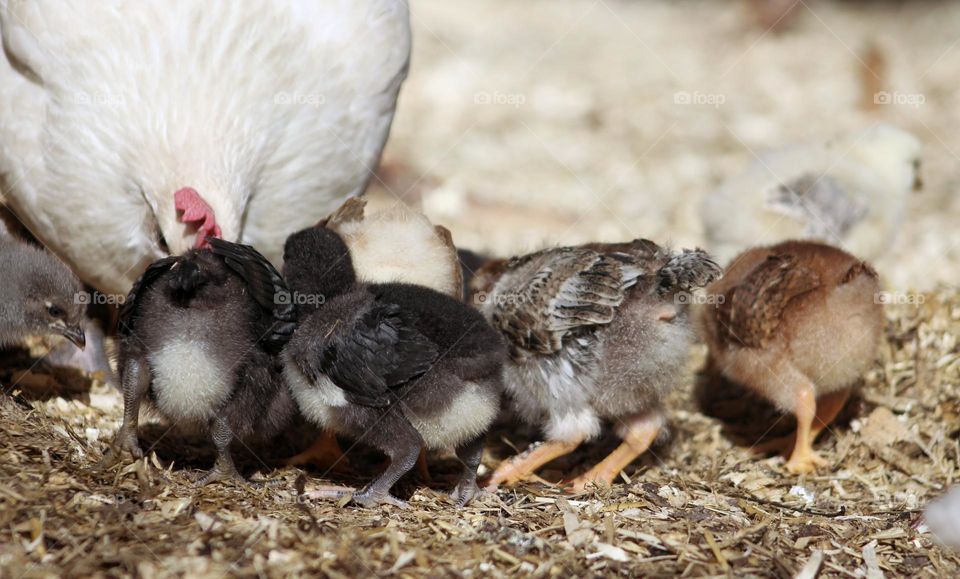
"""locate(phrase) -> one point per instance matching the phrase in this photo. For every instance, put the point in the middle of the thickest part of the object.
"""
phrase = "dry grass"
(700, 505)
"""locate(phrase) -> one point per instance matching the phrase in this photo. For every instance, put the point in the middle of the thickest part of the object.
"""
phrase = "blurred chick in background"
(798, 323)
(599, 332)
(851, 192)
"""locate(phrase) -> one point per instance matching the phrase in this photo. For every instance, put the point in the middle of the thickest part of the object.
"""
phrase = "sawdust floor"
(699, 505)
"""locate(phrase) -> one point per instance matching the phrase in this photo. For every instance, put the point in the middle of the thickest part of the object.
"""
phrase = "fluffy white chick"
(851, 191)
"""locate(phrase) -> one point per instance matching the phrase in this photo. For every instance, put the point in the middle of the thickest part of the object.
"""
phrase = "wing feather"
(369, 359)
(265, 284)
(752, 310)
(552, 294)
(128, 311)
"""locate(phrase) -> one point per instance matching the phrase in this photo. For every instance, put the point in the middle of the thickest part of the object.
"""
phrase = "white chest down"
(189, 384)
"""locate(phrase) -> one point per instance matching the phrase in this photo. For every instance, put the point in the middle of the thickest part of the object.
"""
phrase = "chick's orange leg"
(324, 453)
(640, 433)
(522, 466)
(803, 459)
(828, 407)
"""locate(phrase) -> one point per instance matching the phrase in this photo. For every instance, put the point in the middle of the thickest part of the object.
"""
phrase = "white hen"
(851, 191)
(259, 116)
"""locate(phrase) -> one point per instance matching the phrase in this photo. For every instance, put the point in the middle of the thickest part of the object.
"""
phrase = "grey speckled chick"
(596, 333)
(200, 336)
(38, 294)
(398, 366)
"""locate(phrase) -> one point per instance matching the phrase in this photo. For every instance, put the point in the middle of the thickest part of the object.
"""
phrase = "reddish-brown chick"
(799, 323)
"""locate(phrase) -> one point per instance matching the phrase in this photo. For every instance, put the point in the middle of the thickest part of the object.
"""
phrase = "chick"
(200, 335)
(393, 245)
(41, 296)
(398, 245)
(799, 323)
(851, 192)
(394, 365)
(596, 333)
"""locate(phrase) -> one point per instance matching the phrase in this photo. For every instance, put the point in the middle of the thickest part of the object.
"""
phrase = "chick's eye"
(56, 311)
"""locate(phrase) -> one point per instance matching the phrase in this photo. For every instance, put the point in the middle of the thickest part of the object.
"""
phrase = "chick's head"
(53, 297)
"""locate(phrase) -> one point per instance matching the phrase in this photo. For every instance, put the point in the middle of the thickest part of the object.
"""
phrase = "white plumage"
(851, 191)
(275, 111)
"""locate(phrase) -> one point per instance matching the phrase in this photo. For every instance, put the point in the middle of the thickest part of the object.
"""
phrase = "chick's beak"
(73, 333)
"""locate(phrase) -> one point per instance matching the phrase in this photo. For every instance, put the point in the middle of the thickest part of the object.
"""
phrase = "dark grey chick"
(397, 366)
(200, 335)
(596, 333)
(40, 295)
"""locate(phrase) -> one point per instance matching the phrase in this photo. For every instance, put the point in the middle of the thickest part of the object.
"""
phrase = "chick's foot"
(522, 466)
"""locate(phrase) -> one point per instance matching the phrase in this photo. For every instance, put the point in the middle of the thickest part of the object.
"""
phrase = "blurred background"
(527, 123)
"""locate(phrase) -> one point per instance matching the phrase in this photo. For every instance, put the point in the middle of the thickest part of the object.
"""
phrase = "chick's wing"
(752, 310)
(553, 293)
(380, 351)
(128, 311)
(265, 284)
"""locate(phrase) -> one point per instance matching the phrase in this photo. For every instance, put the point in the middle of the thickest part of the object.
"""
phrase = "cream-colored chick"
(851, 192)
(398, 245)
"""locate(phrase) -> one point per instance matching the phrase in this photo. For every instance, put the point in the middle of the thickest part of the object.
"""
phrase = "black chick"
(41, 296)
(397, 366)
(200, 336)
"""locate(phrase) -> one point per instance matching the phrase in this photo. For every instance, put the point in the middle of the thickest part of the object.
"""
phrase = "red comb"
(197, 212)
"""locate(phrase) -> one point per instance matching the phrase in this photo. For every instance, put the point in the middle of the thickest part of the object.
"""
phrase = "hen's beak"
(73, 333)
(917, 182)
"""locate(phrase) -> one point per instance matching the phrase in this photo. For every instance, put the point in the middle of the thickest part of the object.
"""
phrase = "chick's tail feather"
(186, 278)
(687, 271)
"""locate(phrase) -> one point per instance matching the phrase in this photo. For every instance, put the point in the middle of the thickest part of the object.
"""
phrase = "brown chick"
(596, 333)
(798, 322)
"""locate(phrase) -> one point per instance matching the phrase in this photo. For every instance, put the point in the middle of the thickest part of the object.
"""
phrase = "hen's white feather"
(274, 111)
